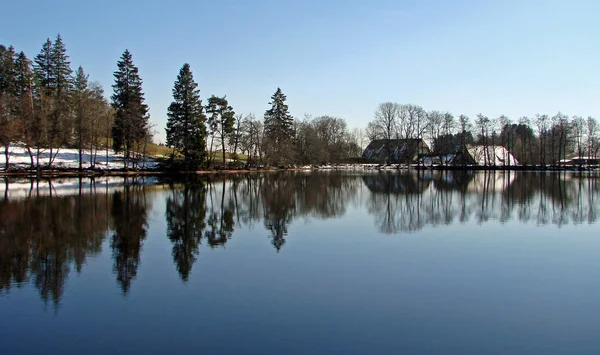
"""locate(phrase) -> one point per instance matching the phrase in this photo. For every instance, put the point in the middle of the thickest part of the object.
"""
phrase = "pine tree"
(221, 119)
(131, 114)
(185, 124)
(279, 131)
(81, 100)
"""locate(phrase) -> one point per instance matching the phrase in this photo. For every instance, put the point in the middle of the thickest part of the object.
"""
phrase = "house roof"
(496, 155)
(378, 148)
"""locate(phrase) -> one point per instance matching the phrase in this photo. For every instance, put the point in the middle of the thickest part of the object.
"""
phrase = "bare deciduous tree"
(385, 123)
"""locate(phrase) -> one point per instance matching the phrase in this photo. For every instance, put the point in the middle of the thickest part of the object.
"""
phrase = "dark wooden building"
(396, 150)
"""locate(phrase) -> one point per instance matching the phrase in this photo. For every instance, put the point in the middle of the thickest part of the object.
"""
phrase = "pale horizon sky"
(338, 58)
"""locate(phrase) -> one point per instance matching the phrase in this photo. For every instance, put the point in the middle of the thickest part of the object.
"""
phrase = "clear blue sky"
(336, 57)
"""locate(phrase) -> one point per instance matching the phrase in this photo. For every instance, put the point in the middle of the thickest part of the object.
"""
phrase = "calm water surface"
(307, 263)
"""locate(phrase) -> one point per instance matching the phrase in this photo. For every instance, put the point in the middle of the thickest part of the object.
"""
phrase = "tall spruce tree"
(221, 119)
(43, 66)
(279, 131)
(131, 113)
(61, 71)
(23, 74)
(43, 103)
(81, 100)
(7, 69)
(61, 126)
(8, 126)
(185, 124)
(54, 77)
(31, 129)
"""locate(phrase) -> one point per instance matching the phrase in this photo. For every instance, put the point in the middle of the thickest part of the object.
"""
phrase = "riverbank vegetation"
(46, 107)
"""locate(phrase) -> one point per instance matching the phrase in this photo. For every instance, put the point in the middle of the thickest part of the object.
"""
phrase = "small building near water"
(396, 150)
(581, 161)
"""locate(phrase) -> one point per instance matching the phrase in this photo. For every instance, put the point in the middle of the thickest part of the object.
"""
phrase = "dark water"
(309, 263)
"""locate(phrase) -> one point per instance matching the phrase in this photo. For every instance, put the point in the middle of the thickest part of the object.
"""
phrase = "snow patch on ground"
(67, 158)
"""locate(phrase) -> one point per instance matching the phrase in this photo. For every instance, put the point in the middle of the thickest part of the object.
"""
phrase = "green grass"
(155, 150)
(218, 156)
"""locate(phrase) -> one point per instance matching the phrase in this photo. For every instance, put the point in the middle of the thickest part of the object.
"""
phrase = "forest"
(46, 105)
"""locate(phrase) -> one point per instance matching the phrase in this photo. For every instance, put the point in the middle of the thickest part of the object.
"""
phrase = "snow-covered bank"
(67, 159)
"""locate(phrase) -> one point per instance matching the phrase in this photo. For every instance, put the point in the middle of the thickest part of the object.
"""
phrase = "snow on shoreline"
(66, 158)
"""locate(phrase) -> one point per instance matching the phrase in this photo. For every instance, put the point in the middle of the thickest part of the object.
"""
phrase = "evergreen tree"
(61, 127)
(221, 119)
(31, 129)
(279, 131)
(185, 124)
(7, 70)
(131, 114)
(43, 66)
(8, 127)
(23, 74)
(62, 75)
(53, 73)
(43, 104)
(81, 101)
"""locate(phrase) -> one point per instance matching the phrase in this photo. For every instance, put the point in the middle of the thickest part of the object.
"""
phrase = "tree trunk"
(107, 137)
(210, 152)
(30, 156)
(6, 156)
(223, 146)
(52, 157)
(38, 161)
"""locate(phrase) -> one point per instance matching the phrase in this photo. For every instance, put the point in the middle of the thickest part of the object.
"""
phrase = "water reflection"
(130, 218)
(44, 236)
(47, 232)
(186, 214)
(409, 202)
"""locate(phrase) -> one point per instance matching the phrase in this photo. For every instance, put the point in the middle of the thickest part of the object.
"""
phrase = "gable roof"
(398, 148)
(497, 155)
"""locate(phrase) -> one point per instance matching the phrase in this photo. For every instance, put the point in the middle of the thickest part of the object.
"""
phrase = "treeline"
(278, 139)
(538, 140)
(46, 106)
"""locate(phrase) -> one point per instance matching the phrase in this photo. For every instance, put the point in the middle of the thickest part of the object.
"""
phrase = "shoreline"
(95, 173)
(350, 167)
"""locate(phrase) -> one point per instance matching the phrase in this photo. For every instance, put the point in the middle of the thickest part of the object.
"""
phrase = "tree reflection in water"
(186, 213)
(130, 218)
(43, 236)
(410, 201)
(48, 232)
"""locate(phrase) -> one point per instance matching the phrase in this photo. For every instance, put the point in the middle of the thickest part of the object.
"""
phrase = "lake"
(302, 263)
